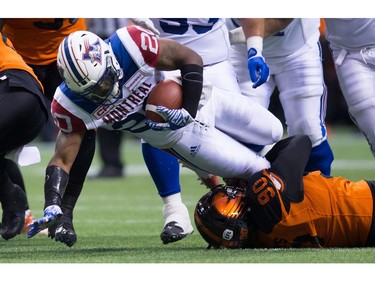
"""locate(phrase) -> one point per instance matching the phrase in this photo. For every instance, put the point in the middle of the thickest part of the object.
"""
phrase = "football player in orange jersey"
(37, 41)
(282, 208)
(23, 115)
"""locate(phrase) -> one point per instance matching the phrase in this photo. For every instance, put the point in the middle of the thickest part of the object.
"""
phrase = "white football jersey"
(350, 34)
(192, 31)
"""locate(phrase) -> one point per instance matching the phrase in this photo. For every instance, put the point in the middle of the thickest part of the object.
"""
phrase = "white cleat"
(177, 223)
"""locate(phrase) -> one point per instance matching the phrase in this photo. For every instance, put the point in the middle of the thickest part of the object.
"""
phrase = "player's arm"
(254, 30)
(172, 56)
(56, 180)
(264, 199)
(282, 184)
(57, 172)
(66, 150)
(272, 26)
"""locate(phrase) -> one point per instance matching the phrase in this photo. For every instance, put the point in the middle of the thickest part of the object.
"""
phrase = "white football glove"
(175, 119)
(145, 23)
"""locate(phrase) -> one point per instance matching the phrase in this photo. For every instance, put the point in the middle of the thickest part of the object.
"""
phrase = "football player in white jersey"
(209, 38)
(293, 56)
(106, 85)
(352, 41)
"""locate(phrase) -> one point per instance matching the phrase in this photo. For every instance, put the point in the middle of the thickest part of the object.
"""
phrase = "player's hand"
(146, 23)
(175, 119)
(258, 68)
(51, 215)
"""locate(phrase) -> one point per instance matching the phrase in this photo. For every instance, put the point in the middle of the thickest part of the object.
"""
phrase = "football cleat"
(177, 223)
(172, 232)
(63, 231)
(12, 223)
(14, 205)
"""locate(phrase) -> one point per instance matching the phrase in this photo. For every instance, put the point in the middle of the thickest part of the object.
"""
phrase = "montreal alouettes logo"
(92, 51)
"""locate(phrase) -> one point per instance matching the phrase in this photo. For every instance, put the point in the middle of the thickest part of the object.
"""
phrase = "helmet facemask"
(107, 88)
(89, 68)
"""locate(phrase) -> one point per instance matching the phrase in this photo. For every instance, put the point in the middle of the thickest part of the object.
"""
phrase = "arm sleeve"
(288, 160)
(192, 84)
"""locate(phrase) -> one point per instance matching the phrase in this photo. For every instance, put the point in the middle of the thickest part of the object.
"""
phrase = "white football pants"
(357, 82)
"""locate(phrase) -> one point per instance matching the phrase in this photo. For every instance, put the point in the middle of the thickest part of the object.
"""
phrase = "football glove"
(175, 119)
(145, 23)
(51, 215)
(258, 68)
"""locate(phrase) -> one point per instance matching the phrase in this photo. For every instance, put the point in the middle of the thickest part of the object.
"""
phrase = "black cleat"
(12, 224)
(109, 172)
(14, 205)
(172, 233)
(64, 232)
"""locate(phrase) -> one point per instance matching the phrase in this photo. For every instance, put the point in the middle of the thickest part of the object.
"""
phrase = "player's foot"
(177, 223)
(63, 231)
(172, 232)
(12, 223)
(14, 205)
(109, 172)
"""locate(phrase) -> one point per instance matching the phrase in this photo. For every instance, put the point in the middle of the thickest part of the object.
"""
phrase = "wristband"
(255, 42)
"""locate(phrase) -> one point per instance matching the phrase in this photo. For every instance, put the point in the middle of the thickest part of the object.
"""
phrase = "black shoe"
(63, 231)
(172, 233)
(109, 172)
(12, 224)
(14, 205)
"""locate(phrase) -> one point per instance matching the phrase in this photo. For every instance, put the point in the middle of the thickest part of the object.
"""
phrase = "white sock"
(172, 199)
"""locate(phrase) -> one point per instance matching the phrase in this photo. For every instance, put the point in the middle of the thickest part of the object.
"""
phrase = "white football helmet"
(89, 67)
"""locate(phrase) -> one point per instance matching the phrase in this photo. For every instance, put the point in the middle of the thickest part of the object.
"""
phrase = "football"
(167, 93)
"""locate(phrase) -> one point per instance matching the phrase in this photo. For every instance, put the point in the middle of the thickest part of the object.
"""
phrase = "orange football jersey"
(9, 59)
(335, 212)
(37, 40)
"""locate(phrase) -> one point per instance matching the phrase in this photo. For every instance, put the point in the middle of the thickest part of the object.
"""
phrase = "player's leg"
(207, 149)
(18, 126)
(16, 177)
(165, 171)
(110, 153)
(303, 97)
(357, 82)
(239, 117)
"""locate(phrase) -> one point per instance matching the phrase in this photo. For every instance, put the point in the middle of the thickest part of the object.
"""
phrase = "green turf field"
(119, 221)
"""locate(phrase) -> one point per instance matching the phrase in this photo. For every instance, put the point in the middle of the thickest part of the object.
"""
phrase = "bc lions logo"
(92, 52)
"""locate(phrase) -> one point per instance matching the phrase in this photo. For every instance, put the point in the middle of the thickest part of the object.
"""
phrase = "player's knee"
(310, 126)
(277, 131)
